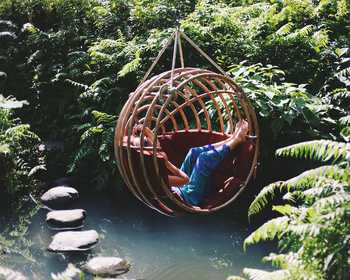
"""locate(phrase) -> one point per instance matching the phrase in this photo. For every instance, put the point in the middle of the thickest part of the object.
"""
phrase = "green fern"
(320, 150)
(131, 66)
(303, 181)
(345, 120)
(333, 201)
(77, 85)
(258, 274)
(284, 29)
(268, 231)
(4, 149)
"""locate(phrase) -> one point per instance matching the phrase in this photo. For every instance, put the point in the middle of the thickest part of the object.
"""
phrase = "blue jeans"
(199, 164)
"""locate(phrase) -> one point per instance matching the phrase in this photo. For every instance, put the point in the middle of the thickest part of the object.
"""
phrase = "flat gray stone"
(66, 218)
(59, 196)
(107, 266)
(69, 241)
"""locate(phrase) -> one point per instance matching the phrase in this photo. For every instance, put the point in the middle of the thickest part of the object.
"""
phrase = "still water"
(158, 247)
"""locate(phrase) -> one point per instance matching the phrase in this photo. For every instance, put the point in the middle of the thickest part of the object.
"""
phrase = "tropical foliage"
(76, 61)
(73, 67)
(20, 157)
(313, 219)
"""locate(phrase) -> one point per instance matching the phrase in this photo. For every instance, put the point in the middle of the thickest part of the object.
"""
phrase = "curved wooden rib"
(144, 106)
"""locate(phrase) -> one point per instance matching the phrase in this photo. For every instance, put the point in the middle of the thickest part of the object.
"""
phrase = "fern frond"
(345, 120)
(78, 58)
(102, 117)
(36, 169)
(4, 149)
(11, 103)
(320, 39)
(83, 153)
(285, 210)
(267, 231)
(77, 85)
(6, 24)
(284, 29)
(302, 181)
(282, 260)
(131, 66)
(316, 192)
(302, 230)
(321, 150)
(334, 215)
(344, 73)
(340, 94)
(257, 274)
(306, 30)
(90, 134)
(332, 201)
(265, 195)
(7, 36)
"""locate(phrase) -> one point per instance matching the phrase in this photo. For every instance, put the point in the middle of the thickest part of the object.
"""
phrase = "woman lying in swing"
(191, 183)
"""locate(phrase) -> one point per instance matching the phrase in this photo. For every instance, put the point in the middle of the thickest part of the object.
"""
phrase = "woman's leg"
(191, 157)
(194, 192)
(237, 137)
(206, 162)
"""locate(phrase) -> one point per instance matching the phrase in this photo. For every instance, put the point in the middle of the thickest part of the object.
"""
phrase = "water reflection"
(158, 247)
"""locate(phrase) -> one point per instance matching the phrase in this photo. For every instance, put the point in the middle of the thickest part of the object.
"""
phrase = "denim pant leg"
(191, 157)
(194, 192)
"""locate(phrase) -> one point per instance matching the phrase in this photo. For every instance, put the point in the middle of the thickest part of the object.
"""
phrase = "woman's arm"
(178, 177)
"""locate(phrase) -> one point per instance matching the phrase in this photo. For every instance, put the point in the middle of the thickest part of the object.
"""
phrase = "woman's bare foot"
(240, 134)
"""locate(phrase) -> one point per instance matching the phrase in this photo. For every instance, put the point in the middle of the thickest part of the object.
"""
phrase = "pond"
(158, 247)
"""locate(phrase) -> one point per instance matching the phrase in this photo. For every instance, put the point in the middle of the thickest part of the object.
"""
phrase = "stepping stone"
(66, 219)
(70, 241)
(59, 196)
(107, 266)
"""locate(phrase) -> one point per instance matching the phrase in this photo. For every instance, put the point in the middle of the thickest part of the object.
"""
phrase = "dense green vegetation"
(70, 58)
(313, 228)
(76, 61)
(20, 157)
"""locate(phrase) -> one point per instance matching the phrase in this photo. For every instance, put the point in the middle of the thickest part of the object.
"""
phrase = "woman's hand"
(164, 155)
(137, 129)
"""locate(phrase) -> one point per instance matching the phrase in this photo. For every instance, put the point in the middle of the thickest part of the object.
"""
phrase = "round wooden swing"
(184, 107)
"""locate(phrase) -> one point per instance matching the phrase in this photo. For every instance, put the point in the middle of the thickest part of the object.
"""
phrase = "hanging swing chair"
(184, 107)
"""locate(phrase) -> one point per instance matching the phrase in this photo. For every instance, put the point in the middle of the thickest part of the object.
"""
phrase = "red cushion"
(235, 167)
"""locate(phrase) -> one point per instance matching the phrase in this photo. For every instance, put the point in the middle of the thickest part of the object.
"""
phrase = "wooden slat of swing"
(176, 147)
